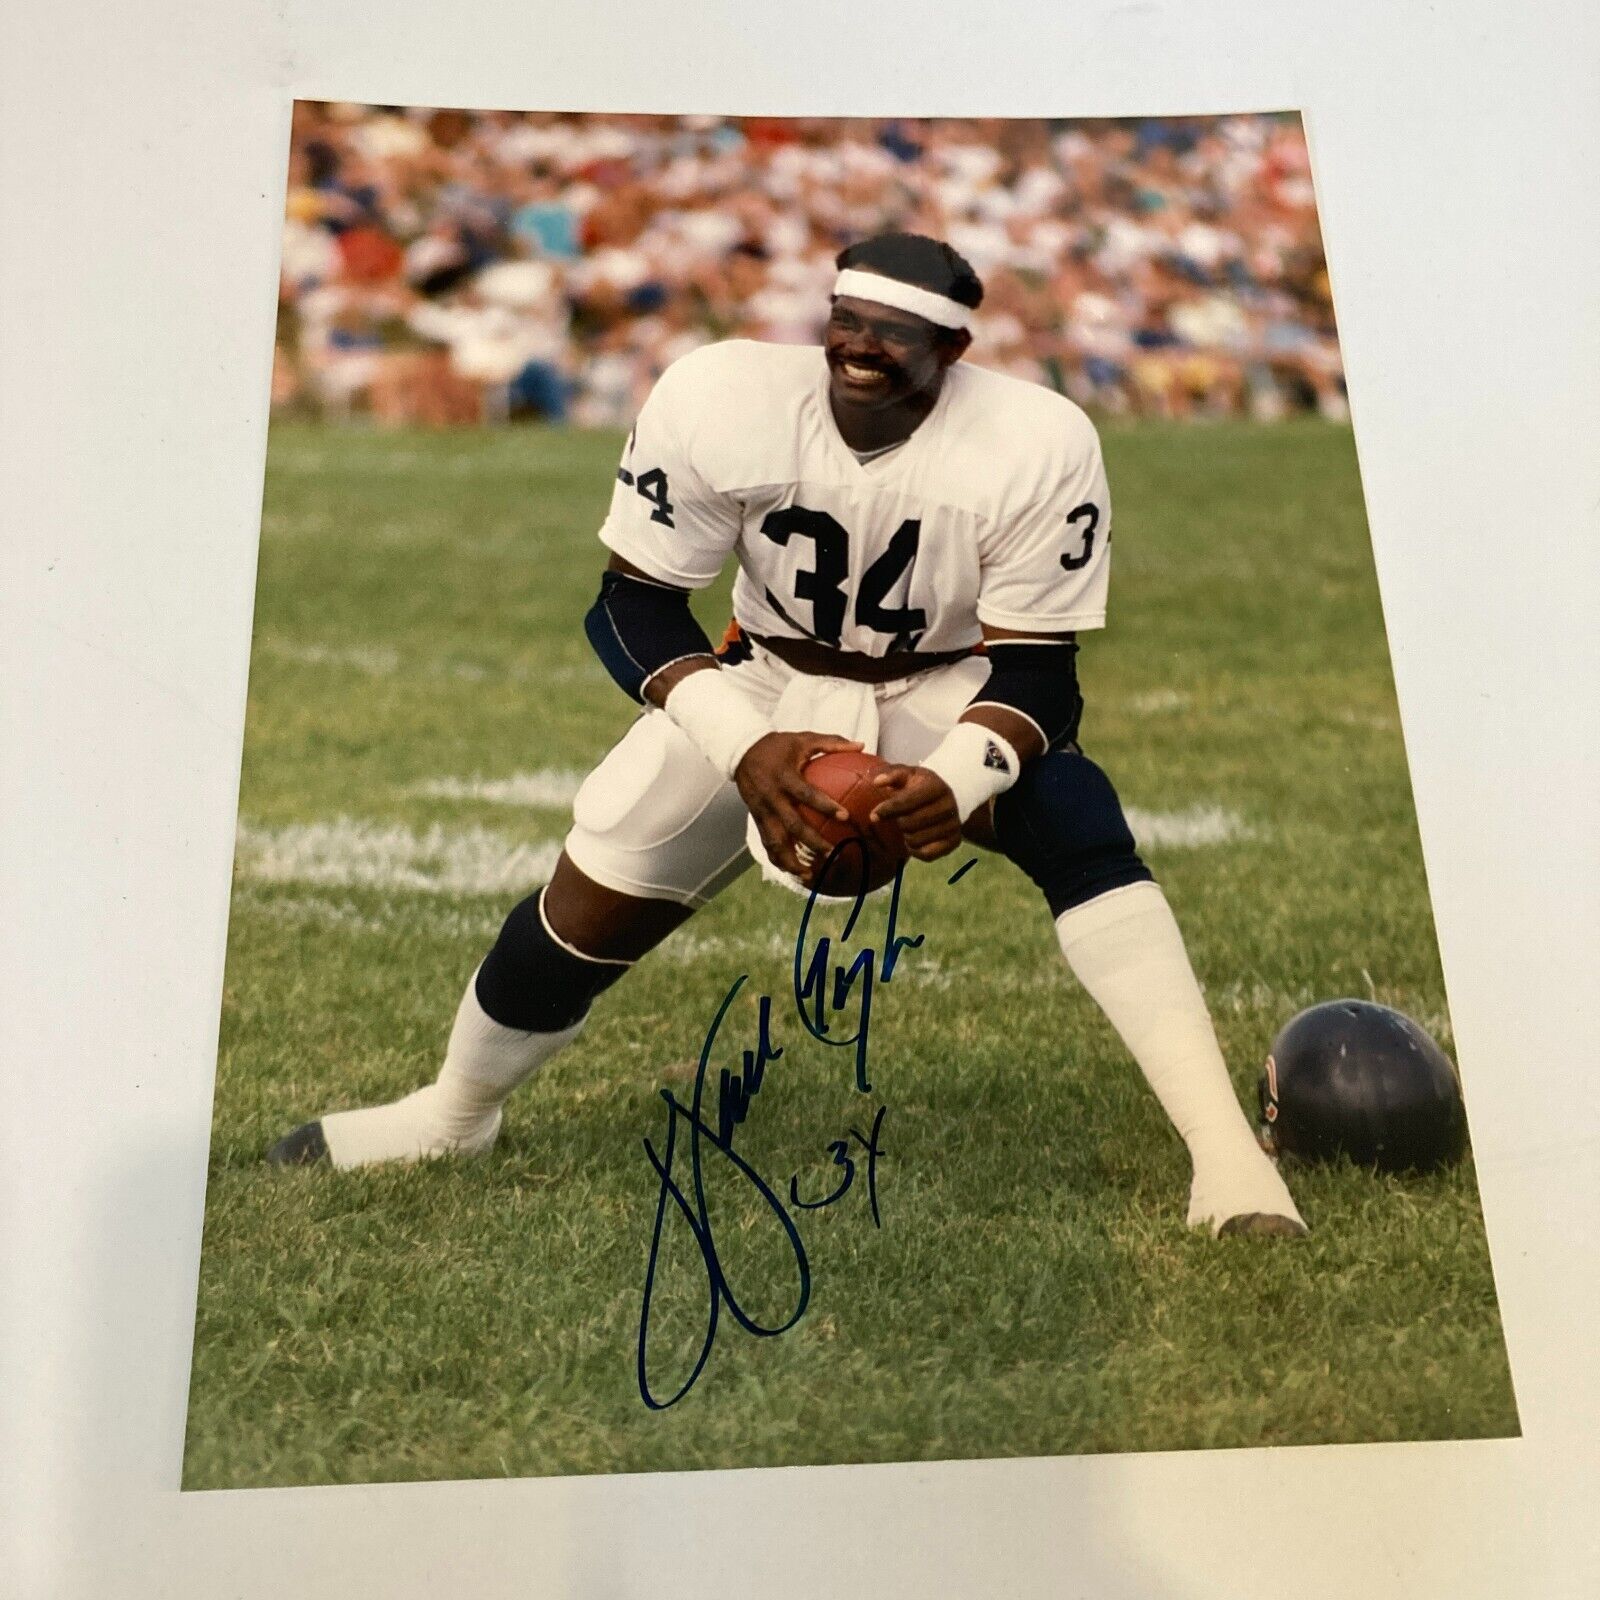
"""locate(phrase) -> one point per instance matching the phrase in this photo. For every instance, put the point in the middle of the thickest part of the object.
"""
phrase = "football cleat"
(304, 1147)
(1262, 1225)
(415, 1128)
(1240, 1192)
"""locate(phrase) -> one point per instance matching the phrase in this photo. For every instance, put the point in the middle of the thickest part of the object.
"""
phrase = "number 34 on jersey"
(994, 511)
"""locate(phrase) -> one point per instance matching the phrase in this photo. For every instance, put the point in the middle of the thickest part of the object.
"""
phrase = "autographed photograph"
(825, 867)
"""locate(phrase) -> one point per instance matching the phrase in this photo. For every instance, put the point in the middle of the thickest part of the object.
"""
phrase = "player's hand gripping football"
(770, 783)
(922, 804)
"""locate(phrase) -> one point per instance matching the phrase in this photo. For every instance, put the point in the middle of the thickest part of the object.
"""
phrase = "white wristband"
(722, 723)
(977, 764)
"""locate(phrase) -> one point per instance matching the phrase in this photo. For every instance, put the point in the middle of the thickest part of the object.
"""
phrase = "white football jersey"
(995, 510)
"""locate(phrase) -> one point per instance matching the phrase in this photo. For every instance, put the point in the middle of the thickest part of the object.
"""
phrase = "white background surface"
(142, 163)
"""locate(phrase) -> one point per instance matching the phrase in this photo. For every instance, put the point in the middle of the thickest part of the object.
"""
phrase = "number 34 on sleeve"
(653, 486)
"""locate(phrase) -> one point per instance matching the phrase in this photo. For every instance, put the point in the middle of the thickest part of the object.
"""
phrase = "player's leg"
(656, 833)
(1063, 825)
(558, 951)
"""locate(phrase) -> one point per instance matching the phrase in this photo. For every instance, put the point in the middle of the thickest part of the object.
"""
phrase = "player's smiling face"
(879, 356)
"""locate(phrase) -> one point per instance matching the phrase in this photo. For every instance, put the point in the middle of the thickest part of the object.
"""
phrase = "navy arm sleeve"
(1038, 681)
(637, 627)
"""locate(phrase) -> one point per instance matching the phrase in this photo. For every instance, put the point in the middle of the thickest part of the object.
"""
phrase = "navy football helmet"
(1350, 1078)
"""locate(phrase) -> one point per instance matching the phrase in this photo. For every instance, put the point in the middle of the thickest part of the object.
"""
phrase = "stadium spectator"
(445, 266)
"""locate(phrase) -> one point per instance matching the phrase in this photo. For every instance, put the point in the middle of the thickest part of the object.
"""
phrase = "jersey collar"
(890, 462)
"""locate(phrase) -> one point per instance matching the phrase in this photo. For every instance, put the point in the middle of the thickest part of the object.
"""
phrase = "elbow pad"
(1037, 681)
(637, 627)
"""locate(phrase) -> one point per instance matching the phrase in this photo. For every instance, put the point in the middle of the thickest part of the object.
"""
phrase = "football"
(866, 854)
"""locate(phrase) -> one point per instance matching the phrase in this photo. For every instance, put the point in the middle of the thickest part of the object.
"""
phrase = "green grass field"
(1032, 1289)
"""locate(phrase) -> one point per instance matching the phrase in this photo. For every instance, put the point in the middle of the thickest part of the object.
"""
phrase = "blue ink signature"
(840, 1151)
(731, 1111)
(811, 996)
(710, 1142)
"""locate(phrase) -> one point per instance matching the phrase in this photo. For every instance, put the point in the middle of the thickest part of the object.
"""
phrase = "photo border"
(135, 423)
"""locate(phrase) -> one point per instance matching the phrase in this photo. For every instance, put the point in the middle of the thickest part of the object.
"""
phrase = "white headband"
(924, 303)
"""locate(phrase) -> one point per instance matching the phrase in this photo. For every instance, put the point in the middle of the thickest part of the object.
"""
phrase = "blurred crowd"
(449, 267)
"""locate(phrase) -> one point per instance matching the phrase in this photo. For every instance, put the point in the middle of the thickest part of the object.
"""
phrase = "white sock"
(460, 1111)
(1124, 947)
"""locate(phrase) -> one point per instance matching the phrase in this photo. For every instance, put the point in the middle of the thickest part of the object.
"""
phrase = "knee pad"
(656, 820)
(531, 981)
(1062, 823)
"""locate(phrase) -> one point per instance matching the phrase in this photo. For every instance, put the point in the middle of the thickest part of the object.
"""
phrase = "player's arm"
(670, 531)
(644, 632)
(648, 640)
(1031, 698)
(1042, 579)
(1029, 702)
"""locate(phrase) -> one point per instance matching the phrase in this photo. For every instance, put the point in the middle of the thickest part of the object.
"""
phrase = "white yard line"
(1159, 701)
(315, 907)
(345, 852)
(472, 860)
(1186, 830)
(377, 661)
(383, 661)
(543, 787)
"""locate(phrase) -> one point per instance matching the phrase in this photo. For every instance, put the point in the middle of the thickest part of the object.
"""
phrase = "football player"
(889, 508)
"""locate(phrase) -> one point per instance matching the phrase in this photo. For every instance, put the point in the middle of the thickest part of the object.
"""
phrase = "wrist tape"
(976, 762)
(717, 717)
